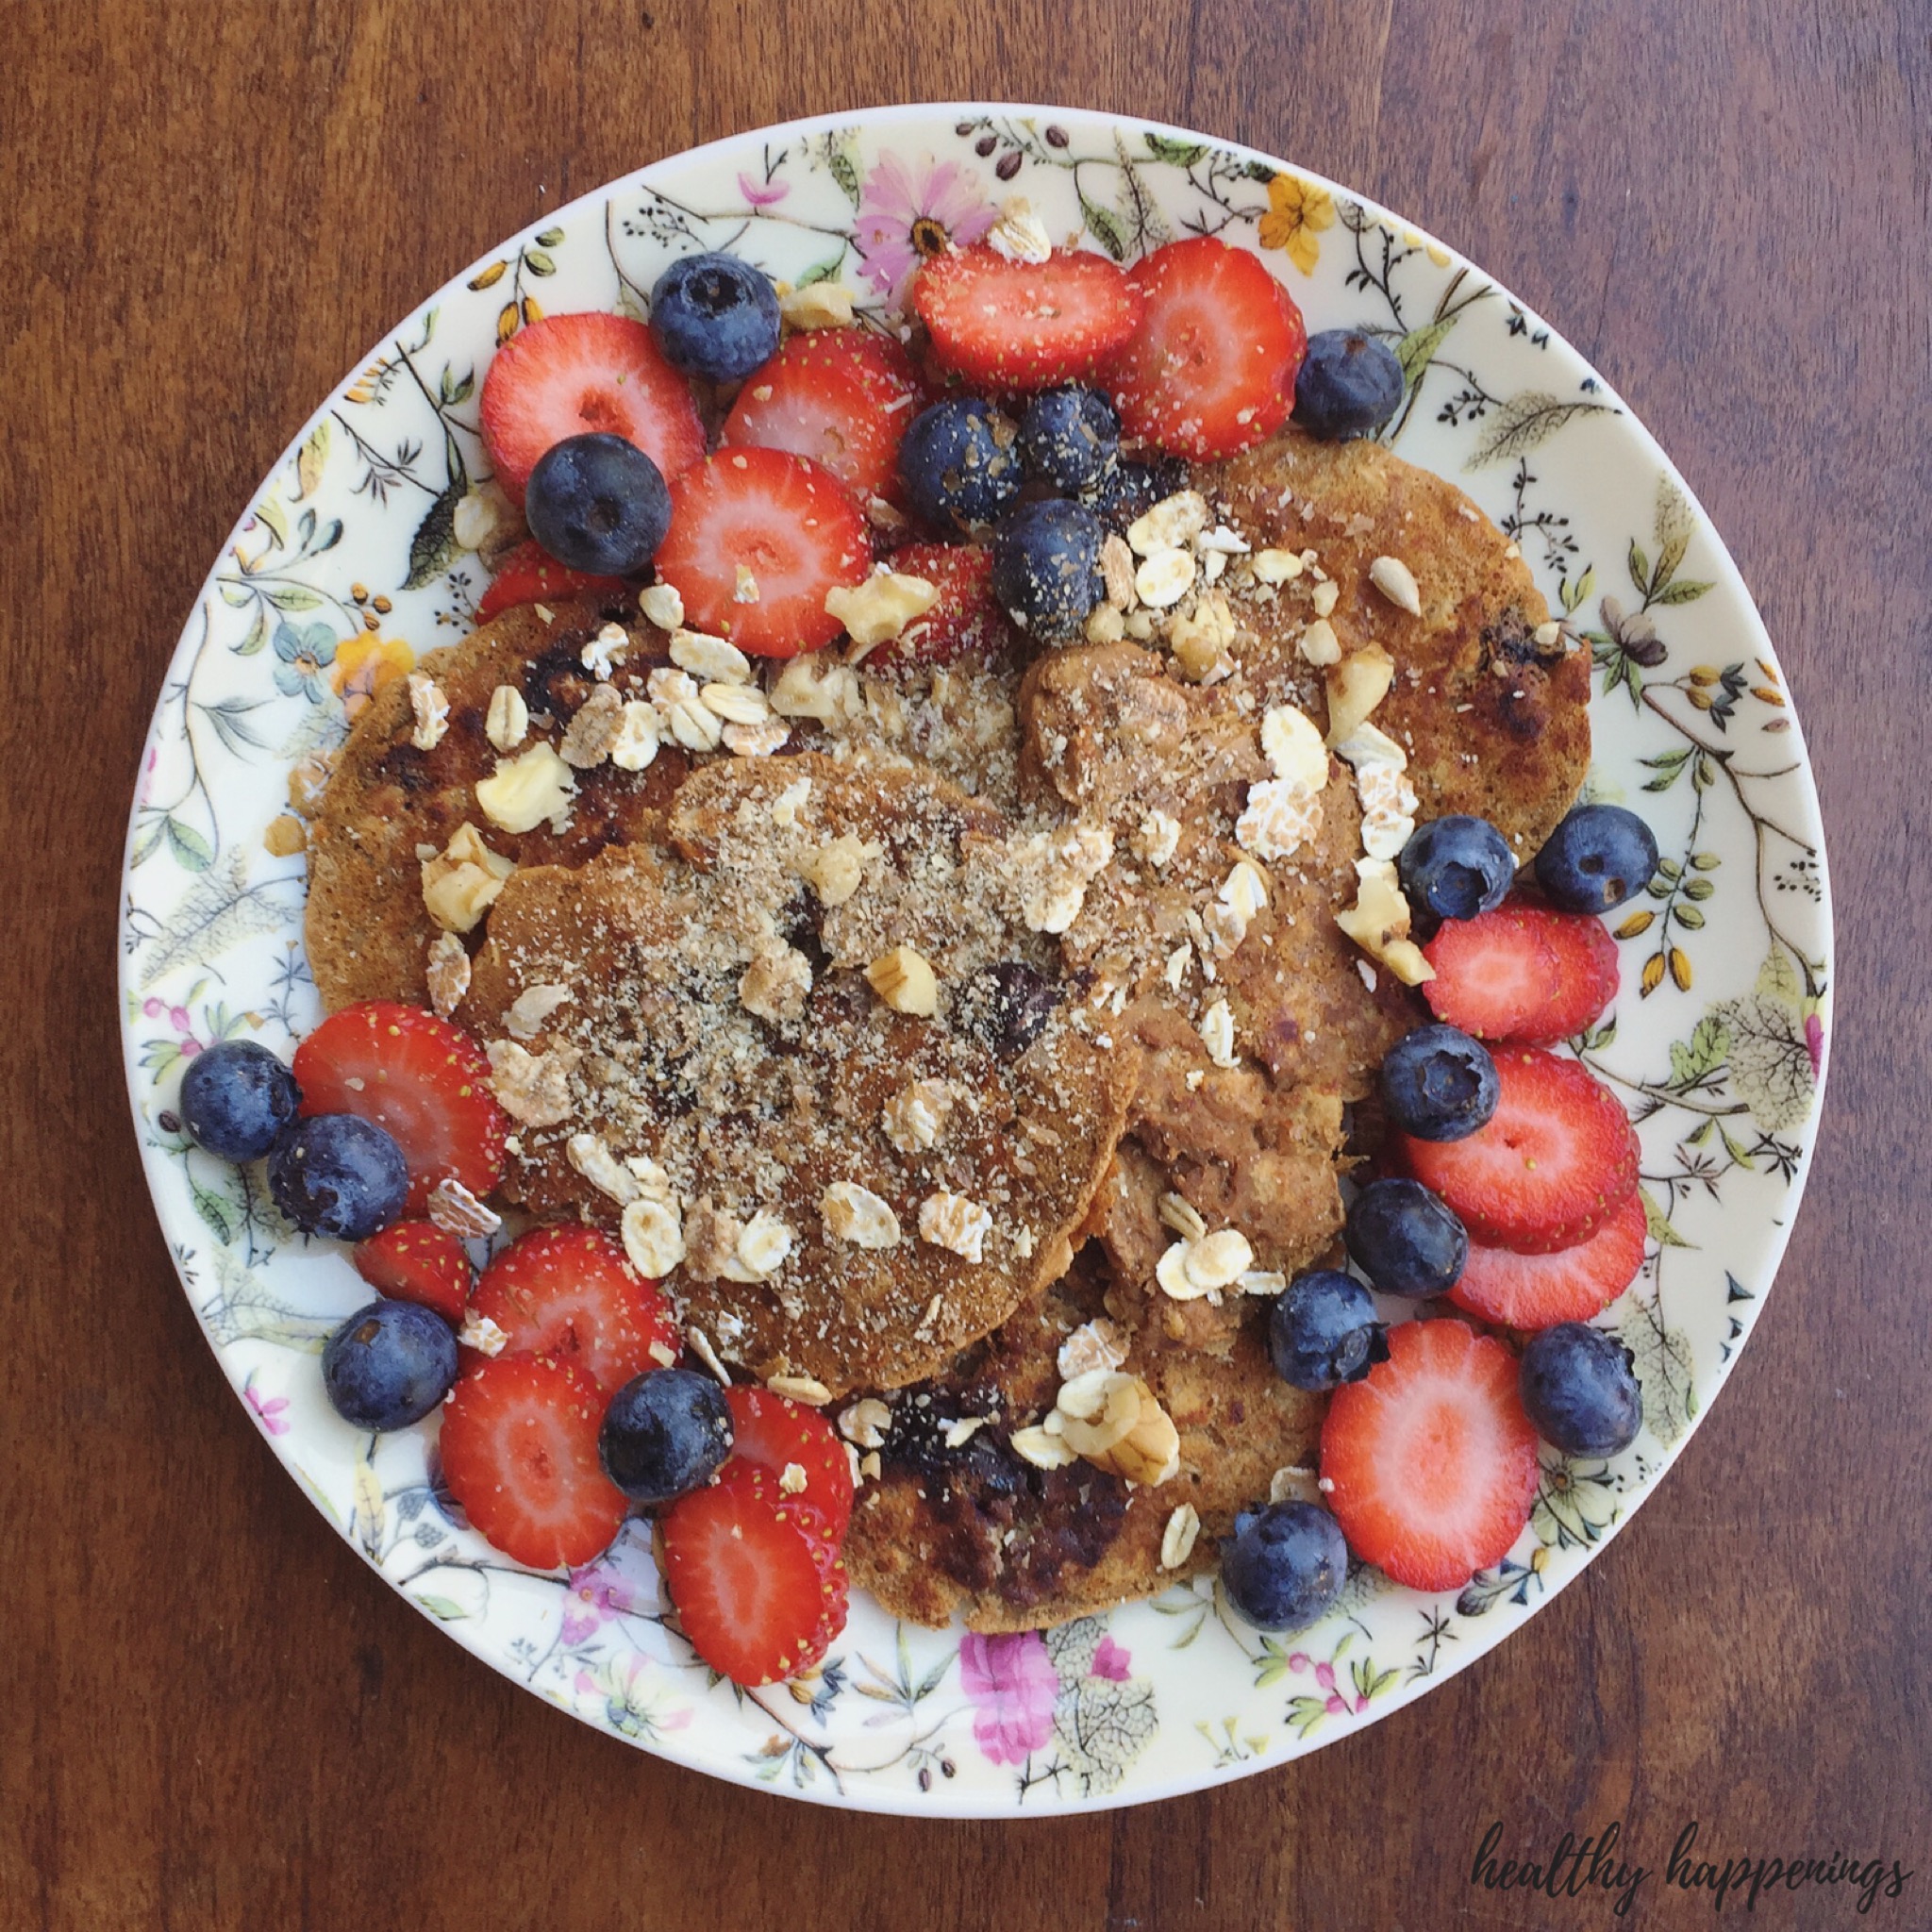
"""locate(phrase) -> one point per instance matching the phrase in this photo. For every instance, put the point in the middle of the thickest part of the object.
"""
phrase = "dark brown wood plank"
(217, 1715)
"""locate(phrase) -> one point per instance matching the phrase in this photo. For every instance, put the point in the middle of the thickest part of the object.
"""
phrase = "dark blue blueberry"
(1069, 437)
(1405, 1240)
(235, 1097)
(1324, 1332)
(597, 503)
(1579, 1388)
(1046, 567)
(714, 315)
(338, 1175)
(1131, 488)
(388, 1365)
(1349, 385)
(1600, 855)
(1455, 868)
(1284, 1566)
(1438, 1083)
(665, 1432)
(960, 464)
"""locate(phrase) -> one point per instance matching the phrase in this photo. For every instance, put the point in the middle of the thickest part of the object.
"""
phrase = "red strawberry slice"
(1557, 1158)
(1497, 975)
(569, 374)
(418, 1261)
(1211, 368)
(757, 537)
(1587, 972)
(774, 1433)
(1024, 324)
(569, 1293)
(746, 1584)
(423, 1079)
(520, 1453)
(797, 1510)
(964, 619)
(1571, 1285)
(529, 574)
(1431, 1459)
(842, 396)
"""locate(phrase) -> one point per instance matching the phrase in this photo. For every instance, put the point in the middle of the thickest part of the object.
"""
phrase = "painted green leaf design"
(1657, 1226)
(550, 237)
(840, 166)
(228, 718)
(257, 633)
(1663, 1368)
(1144, 225)
(1418, 348)
(1522, 422)
(1103, 1726)
(294, 597)
(434, 548)
(1702, 1053)
(1104, 227)
(1777, 978)
(1686, 590)
(189, 848)
(824, 271)
(445, 1610)
(1183, 154)
(213, 1210)
(1639, 568)
(270, 512)
(147, 841)
(538, 263)
(310, 458)
(220, 911)
(1770, 1060)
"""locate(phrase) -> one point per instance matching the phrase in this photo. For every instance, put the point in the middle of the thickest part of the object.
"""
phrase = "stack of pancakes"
(899, 1029)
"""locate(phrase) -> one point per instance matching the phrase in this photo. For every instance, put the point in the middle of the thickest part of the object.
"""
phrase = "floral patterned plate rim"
(351, 560)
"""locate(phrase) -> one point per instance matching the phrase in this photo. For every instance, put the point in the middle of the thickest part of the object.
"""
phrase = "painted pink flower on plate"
(1112, 1662)
(1011, 1683)
(907, 211)
(761, 194)
(595, 1596)
(271, 1411)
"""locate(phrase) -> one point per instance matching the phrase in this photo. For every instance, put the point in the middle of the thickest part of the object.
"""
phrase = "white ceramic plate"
(347, 565)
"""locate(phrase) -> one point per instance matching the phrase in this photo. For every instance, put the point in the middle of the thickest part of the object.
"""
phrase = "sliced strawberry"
(963, 621)
(423, 1079)
(757, 537)
(775, 1433)
(1211, 368)
(569, 374)
(1024, 324)
(418, 1261)
(570, 1294)
(1554, 1160)
(798, 1509)
(520, 1453)
(1587, 972)
(1571, 1285)
(842, 396)
(529, 574)
(746, 1583)
(1497, 975)
(1431, 1459)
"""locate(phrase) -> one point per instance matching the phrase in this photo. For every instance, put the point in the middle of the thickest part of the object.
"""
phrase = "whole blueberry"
(1130, 488)
(1284, 1566)
(1405, 1240)
(339, 1176)
(665, 1432)
(388, 1365)
(597, 503)
(1046, 567)
(1349, 384)
(1069, 437)
(235, 1097)
(1322, 1331)
(1438, 1083)
(714, 315)
(1455, 868)
(1579, 1388)
(1600, 855)
(960, 464)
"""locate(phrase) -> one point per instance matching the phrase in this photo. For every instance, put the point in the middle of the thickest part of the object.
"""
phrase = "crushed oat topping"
(653, 1234)
(1171, 524)
(1054, 870)
(737, 704)
(507, 723)
(1177, 1539)
(594, 1160)
(591, 735)
(764, 1243)
(679, 701)
(1277, 566)
(807, 1389)
(955, 1223)
(452, 1207)
(857, 1215)
(480, 1333)
(1044, 1449)
(530, 1011)
(709, 659)
(1278, 819)
(865, 1423)
(447, 972)
(1019, 234)
(1217, 1035)
(745, 590)
(1178, 1212)
(637, 735)
(777, 984)
(1293, 1485)
(915, 1117)
(793, 1480)
(1158, 837)
(662, 606)
(1190, 1269)
(604, 652)
(755, 740)
(426, 700)
(1165, 577)
(1095, 1344)
(1381, 782)
(533, 1089)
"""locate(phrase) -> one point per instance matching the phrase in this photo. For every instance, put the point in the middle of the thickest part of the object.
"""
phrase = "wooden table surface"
(218, 1716)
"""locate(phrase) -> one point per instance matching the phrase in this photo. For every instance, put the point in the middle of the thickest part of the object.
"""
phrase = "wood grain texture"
(216, 1715)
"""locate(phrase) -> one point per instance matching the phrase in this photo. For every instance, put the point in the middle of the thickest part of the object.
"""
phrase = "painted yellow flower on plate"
(366, 663)
(1298, 212)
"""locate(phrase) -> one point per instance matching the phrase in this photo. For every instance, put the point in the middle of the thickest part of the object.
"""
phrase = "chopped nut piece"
(904, 978)
(915, 1117)
(1355, 687)
(1293, 747)
(961, 1432)
(1043, 1451)
(1095, 1344)
(856, 1214)
(1217, 1035)
(601, 654)
(1379, 919)
(447, 974)
(462, 882)
(1201, 640)
(1293, 1485)
(1397, 582)
(1117, 571)
(526, 790)
(1324, 597)
(809, 686)
(802, 1389)
(746, 588)
(818, 304)
(453, 1207)
(1054, 867)
(1019, 234)
(1261, 1281)
(1104, 626)
(793, 1479)
(662, 606)
(955, 1223)
(1173, 524)
(480, 1333)
(866, 1423)
(530, 1011)
(653, 1234)
(1319, 645)
(1388, 799)
(709, 659)
(592, 734)
(879, 608)
(1177, 1539)
(284, 836)
(1221, 541)
(1277, 566)
(1545, 635)
(1165, 578)
(592, 1158)
(532, 1088)
(1158, 837)
(755, 740)
(432, 708)
(478, 516)
(777, 984)
(1096, 1410)
(837, 869)
(507, 723)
